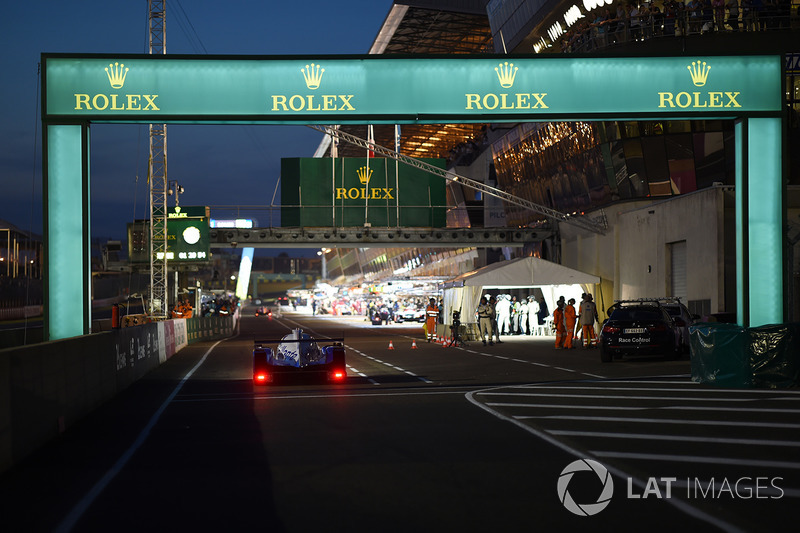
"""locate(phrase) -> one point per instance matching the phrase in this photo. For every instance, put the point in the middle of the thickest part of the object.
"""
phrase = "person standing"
(533, 315)
(719, 14)
(569, 319)
(733, 14)
(503, 308)
(493, 304)
(431, 319)
(588, 314)
(485, 313)
(523, 316)
(514, 311)
(559, 321)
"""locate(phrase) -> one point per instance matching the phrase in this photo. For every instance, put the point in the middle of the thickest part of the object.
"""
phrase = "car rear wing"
(335, 341)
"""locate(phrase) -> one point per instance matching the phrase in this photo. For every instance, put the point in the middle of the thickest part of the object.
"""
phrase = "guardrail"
(14, 313)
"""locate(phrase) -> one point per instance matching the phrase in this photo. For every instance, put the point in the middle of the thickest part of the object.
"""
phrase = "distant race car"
(298, 353)
(264, 311)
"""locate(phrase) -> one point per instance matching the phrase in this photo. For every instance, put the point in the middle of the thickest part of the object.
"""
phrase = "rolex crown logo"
(506, 72)
(699, 72)
(364, 175)
(313, 75)
(116, 73)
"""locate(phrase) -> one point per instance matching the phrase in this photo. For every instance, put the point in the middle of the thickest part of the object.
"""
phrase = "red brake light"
(610, 329)
(261, 378)
(338, 374)
(659, 327)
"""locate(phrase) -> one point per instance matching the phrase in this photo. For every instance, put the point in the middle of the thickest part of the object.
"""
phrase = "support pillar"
(67, 245)
(759, 222)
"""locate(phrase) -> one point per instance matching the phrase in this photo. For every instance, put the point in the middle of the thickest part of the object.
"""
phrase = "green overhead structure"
(80, 89)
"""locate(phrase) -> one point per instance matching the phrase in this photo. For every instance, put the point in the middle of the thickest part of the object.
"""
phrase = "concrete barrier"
(45, 388)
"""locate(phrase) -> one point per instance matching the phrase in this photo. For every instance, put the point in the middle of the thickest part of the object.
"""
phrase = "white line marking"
(622, 474)
(698, 459)
(563, 406)
(678, 438)
(88, 499)
(564, 369)
(619, 397)
(666, 421)
(661, 389)
(646, 408)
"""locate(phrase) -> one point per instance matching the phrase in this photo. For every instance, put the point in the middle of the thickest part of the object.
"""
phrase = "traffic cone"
(391, 347)
(414, 345)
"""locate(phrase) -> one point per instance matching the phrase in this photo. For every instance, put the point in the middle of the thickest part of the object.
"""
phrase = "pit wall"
(46, 388)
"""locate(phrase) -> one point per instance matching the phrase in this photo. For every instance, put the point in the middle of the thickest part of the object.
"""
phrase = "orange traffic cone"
(391, 347)
(414, 345)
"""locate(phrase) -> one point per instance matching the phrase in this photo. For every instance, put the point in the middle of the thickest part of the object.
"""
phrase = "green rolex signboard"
(187, 236)
(352, 192)
(330, 90)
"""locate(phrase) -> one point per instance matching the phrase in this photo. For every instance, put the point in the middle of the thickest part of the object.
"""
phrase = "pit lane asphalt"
(415, 440)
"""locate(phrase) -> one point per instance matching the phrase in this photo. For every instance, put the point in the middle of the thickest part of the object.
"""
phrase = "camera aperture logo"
(744, 487)
(585, 509)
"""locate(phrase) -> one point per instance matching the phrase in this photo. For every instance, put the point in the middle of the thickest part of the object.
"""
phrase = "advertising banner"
(352, 192)
(327, 90)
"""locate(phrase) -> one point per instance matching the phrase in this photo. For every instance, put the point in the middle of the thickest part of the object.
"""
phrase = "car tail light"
(610, 329)
(338, 375)
(262, 377)
(658, 327)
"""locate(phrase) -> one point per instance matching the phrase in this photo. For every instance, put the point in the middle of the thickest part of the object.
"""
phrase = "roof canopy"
(522, 272)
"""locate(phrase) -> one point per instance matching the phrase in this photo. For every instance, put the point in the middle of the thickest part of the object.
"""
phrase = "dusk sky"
(217, 165)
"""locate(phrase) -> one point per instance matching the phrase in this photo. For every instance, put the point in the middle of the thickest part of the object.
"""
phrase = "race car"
(264, 311)
(298, 353)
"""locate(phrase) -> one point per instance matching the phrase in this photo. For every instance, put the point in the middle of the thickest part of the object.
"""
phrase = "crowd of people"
(508, 316)
(571, 324)
(219, 306)
(182, 309)
(634, 22)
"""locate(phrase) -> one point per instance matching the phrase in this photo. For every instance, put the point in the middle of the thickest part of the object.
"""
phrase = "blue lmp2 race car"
(298, 354)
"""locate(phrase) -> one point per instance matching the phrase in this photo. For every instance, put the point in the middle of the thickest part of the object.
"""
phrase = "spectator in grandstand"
(733, 14)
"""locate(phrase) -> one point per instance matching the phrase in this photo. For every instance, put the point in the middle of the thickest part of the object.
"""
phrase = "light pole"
(322, 253)
(176, 189)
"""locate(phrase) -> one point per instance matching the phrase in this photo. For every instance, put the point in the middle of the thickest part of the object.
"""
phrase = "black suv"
(640, 327)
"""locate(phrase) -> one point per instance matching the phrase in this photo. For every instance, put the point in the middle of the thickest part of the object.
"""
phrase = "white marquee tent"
(464, 292)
